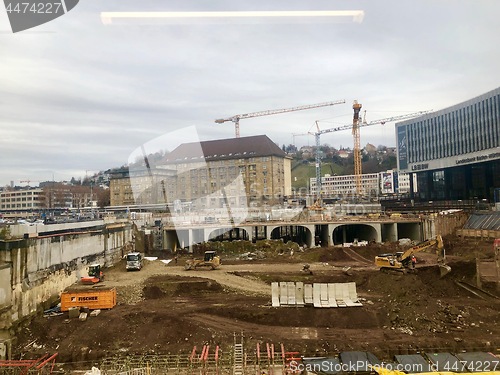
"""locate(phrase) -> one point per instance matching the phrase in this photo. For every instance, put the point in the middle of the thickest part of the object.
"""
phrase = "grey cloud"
(83, 97)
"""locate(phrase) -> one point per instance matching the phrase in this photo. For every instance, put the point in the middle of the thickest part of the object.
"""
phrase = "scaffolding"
(40, 366)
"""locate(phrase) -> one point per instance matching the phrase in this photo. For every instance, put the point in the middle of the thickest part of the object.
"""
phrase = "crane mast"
(357, 146)
(236, 118)
(318, 164)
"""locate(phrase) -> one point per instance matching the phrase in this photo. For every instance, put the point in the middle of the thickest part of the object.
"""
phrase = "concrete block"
(95, 312)
(74, 312)
(83, 316)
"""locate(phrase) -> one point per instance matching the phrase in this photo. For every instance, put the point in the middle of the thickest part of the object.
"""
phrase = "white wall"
(41, 268)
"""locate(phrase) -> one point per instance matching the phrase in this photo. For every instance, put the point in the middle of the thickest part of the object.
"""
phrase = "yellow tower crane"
(357, 149)
(357, 146)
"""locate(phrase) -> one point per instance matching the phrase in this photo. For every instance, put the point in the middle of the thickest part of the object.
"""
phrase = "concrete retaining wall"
(39, 269)
(443, 224)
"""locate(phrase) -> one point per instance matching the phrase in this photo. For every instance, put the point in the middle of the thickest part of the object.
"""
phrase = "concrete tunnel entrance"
(350, 232)
(228, 234)
(409, 230)
(294, 233)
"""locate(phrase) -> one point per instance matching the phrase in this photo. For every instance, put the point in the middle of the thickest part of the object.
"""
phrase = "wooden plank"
(324, 295)
(283, 294)
(345, 295)
(331, 295)
(308, 294)
(275, 294)
(316, 295)
(339, 296)
(291, 293)
(299, 293)
(353, 295)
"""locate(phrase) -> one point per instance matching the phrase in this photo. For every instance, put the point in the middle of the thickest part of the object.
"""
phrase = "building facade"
(210, 174)
(22, 201)
(230, 172)
(345, 186)
(138, 185)
(455, 152)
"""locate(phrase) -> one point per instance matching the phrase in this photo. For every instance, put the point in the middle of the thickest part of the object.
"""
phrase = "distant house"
(370, 149)
(344, 154)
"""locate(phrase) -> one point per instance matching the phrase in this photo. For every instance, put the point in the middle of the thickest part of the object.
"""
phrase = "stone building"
(234, 172)
(231, 172)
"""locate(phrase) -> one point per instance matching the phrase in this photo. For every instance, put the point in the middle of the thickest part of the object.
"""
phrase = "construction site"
(169, 317)
(253, 289)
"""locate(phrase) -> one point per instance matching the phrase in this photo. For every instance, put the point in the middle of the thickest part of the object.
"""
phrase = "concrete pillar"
(269, 231)
(378, 231)
(330, 236)
(389, 232)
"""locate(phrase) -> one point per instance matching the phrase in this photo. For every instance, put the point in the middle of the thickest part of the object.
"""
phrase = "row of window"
(17, 193)
(20, 199)
(469, 129)
(19, 205)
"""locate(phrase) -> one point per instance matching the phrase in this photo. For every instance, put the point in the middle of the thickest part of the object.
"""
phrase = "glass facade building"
(455, 151)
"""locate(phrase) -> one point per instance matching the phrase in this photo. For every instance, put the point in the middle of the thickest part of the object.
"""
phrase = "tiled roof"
(232, 148)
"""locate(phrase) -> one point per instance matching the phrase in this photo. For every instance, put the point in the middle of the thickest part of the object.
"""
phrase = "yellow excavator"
(210, 259)
(402, 261)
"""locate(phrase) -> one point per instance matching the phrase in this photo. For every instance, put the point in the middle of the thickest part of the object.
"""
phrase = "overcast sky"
(78, 95)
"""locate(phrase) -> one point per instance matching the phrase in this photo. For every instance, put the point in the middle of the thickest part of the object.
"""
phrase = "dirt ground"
(164, 309)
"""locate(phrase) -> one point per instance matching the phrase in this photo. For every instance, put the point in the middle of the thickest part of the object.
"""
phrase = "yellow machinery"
(401, 261)
(211, 260)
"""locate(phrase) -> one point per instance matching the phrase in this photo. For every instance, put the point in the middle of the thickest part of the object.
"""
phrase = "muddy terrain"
(164, 309)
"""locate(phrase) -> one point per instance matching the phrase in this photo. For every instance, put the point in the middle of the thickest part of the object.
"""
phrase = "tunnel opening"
(294, 233)
(353, 233)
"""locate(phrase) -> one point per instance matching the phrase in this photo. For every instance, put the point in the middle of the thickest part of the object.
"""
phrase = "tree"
(389, 162)
(103, 197)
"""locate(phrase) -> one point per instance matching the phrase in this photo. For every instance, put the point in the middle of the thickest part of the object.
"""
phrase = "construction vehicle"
(316, 206)
(95, 275)
(402, 260)
(306, 268)
(236, 118)
(134, 261)
(211, 259)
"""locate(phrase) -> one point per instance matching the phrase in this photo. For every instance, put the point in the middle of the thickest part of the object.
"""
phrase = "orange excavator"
(95, 275)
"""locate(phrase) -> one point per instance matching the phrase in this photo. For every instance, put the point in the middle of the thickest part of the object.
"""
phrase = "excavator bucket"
(444, 269)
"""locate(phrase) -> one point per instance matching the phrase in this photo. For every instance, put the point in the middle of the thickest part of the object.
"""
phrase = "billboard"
(402, 147)
(387, 182)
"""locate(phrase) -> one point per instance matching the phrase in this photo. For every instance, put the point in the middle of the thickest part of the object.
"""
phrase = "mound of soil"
(174, 310)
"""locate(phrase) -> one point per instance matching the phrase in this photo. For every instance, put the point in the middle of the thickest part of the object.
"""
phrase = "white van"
(134, 261)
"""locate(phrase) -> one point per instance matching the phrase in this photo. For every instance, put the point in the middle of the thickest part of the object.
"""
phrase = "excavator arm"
(438, 242)
(401, 261)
